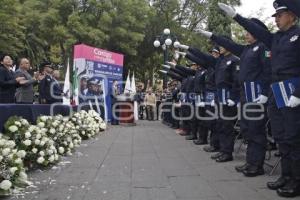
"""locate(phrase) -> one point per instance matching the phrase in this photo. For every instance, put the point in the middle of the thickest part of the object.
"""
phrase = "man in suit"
(25, 93)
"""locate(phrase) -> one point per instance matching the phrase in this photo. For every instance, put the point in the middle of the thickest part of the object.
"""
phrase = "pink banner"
(98, 55)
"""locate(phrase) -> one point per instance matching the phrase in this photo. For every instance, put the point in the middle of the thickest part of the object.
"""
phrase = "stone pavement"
(145, 162)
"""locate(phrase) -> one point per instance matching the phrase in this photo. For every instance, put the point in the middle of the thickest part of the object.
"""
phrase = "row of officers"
(17, 85)
(261, 78)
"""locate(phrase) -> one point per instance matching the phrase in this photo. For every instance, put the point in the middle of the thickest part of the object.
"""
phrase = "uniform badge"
(255, 48)
(268, 54)
(48, 79)
(294, 38)
(237, 68)
(229, 62)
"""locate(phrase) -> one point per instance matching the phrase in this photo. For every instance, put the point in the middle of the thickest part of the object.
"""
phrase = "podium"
(126, 110)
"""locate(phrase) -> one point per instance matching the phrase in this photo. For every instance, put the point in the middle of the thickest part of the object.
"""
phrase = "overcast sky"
(252, 7)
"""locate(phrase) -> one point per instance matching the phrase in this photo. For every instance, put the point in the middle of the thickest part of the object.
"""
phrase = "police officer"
(255, 69)
(285, 121)
(225, 71)
(46, 84)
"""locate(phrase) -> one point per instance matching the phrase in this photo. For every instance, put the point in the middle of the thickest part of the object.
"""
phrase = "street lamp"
(166, 40)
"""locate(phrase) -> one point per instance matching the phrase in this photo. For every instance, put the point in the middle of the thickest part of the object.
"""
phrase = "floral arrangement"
(42, 144)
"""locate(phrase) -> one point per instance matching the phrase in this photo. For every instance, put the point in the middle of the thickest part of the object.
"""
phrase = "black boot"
(279, 183)
(210, 149)
(217, 155)
(224, 158)
(241, 168)
(200, 142)
(291, 189)
(253, 171)
(191, 137)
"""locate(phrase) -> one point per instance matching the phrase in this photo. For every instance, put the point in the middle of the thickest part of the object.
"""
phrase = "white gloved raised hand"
(205, 33)
(171, 64)
(200, 104)
(261, 99)
(182, 46)
(212, 103)
(183, 54)
(163, 71)
(230, 103)
(293, 102)
(167, 66)
(229, 10)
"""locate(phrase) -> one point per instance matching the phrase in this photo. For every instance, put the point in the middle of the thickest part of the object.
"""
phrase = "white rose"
(13, 170)
(18, 161)
(56, 157)
(5, 185)
(37, 142)
(51, 159)
(1, 158)
(42, 153)
(18, 123)
(52, 131)
(41, 124)
(21, 153)
(24, 122)
(71, 145)
(13, 128)
(43, 118)
(38, 136)
(42, 143)
(34, 150)
(11, 144)
(40, 160)
(27, 142)
(31, 128)
(5, 151)
(61, 150)
(23, 176)
(2, 142)
(27, 135)
(50, 152)
(14, 151)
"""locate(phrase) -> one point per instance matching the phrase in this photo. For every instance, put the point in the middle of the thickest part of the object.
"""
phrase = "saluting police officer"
(255, 70)
(225, 79)
(285, 63)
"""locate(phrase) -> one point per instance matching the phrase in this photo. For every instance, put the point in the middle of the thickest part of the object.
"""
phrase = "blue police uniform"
(225, 79)
(285, 122)
(254, 67)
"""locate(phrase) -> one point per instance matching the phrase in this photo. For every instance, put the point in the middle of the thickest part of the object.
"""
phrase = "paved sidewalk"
(145, 162)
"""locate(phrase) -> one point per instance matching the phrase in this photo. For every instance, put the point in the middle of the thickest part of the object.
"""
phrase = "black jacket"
(8, 85)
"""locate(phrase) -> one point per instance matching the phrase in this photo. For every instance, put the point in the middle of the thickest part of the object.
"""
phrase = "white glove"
(171, 64)
(261, 99)
(212, 103)
(206, 33)
(230, 11)
(293, 102)
(182, 46)
(163, 71)
(230, 103)
(167, 66)
(183, 54)
(200, 104)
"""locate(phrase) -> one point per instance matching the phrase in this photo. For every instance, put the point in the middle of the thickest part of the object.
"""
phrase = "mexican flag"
(75, 90)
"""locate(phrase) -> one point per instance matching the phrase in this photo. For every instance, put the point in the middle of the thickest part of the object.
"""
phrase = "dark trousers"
(202, 128)
(185, 113)
(254, 132)
(285, 123)
(225, 128)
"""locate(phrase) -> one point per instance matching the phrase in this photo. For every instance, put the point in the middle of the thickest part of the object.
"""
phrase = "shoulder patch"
(229, 62)
(294, 38)
(237, 68)
(268, 54)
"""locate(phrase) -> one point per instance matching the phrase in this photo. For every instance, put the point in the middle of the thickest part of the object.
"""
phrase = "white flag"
(135, 105)
(127, 85)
